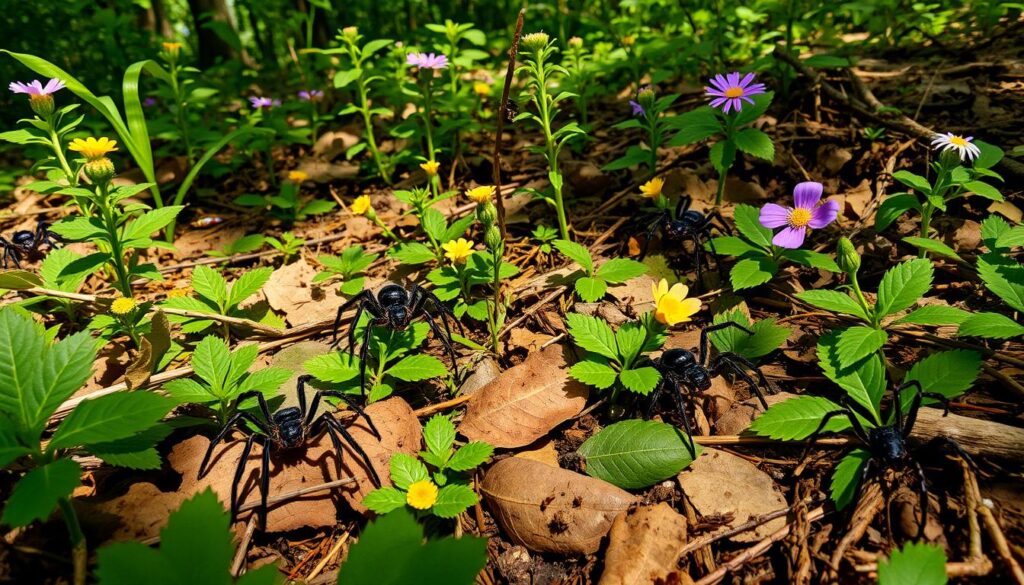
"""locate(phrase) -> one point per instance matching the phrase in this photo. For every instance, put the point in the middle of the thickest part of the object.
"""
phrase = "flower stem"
(57, 150)
(552, 154)
(79, 551)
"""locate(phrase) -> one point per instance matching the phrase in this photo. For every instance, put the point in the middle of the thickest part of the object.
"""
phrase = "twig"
(712, 538)
(496, 161)
(329, 556)
(428, 410)
(238, 565)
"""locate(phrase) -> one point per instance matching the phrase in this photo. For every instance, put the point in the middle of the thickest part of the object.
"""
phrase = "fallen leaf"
(644, 545)
(738, 417)
(484, 371)
(292, 358)
(525, 402)
(720, 483)
(548, 509)
(288, 291)
(527, 339)
(635, 293)
(543, 450)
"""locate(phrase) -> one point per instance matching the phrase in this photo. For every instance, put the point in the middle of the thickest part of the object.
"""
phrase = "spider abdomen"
(888, 443)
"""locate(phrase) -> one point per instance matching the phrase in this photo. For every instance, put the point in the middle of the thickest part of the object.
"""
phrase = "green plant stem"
(371, 142)
(427, 113)
(926, 222)
(868, 310)
(57, 150)
(552, 154)
(79, 550)
(179, 112)
(496, 315)
(729, 130)
(116, 249)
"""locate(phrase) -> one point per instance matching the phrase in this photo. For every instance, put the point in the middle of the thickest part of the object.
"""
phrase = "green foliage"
(846, 477)
(347, 268)
(592, 285)
(392, 551)
(195, 547)
(215, 297)
(221, 375)
(242, 245)
(287, 205)
(615, 357)
(1002, 274)
(766, 338)
(635, 454)
(917, 563)
(461, 283)
(288, 245)
(797, 418)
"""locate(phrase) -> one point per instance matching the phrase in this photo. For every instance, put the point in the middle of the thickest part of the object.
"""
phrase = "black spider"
(685, 225)
(887, 444)
(691, 375)
(394, 308)
(24, 242)
(287, 429)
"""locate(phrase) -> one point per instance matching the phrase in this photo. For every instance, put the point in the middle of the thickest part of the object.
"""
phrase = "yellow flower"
(350, 32)
(431, 167)
(481, 89)
(297, 176)
(122, 306)
(671, 305)
(481, 194)
(172, 48)
(93, 148)
(458, 250)
(178, 292)
(575, 42)
(422, 494)
(629, 40)
(362, 206)
(652, 189)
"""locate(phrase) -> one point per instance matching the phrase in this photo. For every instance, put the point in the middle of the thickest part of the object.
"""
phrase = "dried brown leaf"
(644, 545)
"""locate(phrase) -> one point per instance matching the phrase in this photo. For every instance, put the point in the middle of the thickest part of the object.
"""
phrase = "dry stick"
(754, 551)
(712, 538)
(329, 556)
(238, 564)
(496, 161)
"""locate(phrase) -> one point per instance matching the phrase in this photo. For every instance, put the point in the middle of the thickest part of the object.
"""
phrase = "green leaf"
(749, 113)
(630, 339)
(834, 301)
(439, 435)
(748, 222)
(248, 284)
(407, 470)
(79, 229)
(722, 155)
(766, 338)
(391, 551)
(694, 126)
(733, 246)
(384, 500)
(915, 564)
(913, 181)
(933, 246)
(592, 334)
(109, 418)
(990, 155)
(594, 371)
(812, 259)
(934, 315)
(433, 223)
(903, 285)
(983, 189)
(620, 270)
(412, 253)
(635, 454)
(577, 253)
(857, 343)
(10, 447)
(751, 272)
(990, 326)
(893, 207)
(640, 380)
(1004, 279)
(590, 289)
(797, 418)
(864, 382)
(755, 142)
(992, 228)
(1009, 239)
(949, 373)
(846, 477)
(152, 221)
(414, 368)
(135, 452)
(208, 283)
(18, 280)
(452, 500)
(211, 361)
(36, 494)
(66, 367)
(470, 456)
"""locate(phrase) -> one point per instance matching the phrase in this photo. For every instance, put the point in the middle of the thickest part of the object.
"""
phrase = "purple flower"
(149, 102)
(807, 214)
(263, 102)
(638, 110)
(35, 88)
(731, 91)
(425, 61)
(311, 95)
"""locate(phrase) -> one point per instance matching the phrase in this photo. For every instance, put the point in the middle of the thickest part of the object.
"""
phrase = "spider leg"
(681, 406)
(813, 437)
(238, 474)
(441, 308)
(358, 298)
(333, 422)
(717, 215)
(9, 253)
(711, 329)
(922, 499)
(364, 352)
(47, 236)
(683, 205)
(652, 401)
(321, 425)
(657, 222)
(714, 253)
(734, 361)
(264, 483)
(355, 407)
(697, 258)
(445, 339)
(234, 420)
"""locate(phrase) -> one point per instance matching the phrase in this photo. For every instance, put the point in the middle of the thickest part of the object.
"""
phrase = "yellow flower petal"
(431, 167)
(458, 250)
(652, 189)
(481, 194)
(297, 176)
(422, 494)
(122, 306)
(93, 148)
(671, 305)
(361, 205)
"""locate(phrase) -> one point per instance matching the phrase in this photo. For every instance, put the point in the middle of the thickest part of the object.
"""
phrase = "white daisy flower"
(962, 145)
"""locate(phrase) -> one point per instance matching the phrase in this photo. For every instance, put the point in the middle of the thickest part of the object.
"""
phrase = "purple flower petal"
(53, 85)
(714, 92)
(790, 237)
(774, 216)
(719, 101)
(746, 80)
(824, 214)
(807, 194)
(733, 78)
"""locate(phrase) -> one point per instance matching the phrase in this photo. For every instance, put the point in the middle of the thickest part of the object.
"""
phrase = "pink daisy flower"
(36, 88)
(808, 213)
(729, 91)
(427, 61)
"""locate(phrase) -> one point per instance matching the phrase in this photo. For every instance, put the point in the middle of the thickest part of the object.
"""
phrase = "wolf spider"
(685, 225)
(25, 242)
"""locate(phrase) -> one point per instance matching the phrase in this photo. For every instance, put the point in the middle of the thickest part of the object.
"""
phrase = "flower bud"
(100, 170)
(536, 41)
(576, 42)
(493, 238)
(486, 213)
(847, 257)
(350, 33)
(646, 97)
(41, 105)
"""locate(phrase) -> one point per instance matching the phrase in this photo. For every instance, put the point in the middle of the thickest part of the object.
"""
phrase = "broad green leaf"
(439, 435)
(733, 246)
(592, 334)
(749, 113)
(433, 223)
(949, 373)
(934, 315)
(630, 338)
(590, 289)
(384, 500)
(767, 336)
(933, 246)
(211, 361)
(413, 368)
(993, 228)
(747, 218)
(594, 371)
(19, 280)
(857, 343)
(135, 452)
(903, 285)
(990, 326)
(812, 259)
(412, 253)
(453, 499)
(751, 272)
(984, 190)
(248, 284)
(917, 563)
(640, 380)
(267, 380)
(209, 283)
(21, 346)
(1010, 239)
(152, 221)
(620, 270)
(407, 470)
(577, 253)
(109, 418)
(864, 382)
(913, 181)
(10, 447)
(37, 493)
(893, 207)
(694, 126)
(722, 155)
(846, 477)
(834, 301)
(797, 418)
(755, 142)
(470, 456)
(1004, 279)
(79, 229)
(635, 454)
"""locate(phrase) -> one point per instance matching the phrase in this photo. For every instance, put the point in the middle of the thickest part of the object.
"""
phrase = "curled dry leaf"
(287, 292)
(525, 402)
(549, 509)
(644, 546)
(144, 509)
(720, 483)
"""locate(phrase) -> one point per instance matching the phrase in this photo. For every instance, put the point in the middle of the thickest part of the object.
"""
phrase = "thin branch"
(496, 161)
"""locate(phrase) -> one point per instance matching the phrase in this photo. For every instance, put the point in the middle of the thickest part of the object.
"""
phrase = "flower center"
(799, 217)
(958, 141)
(734, 92)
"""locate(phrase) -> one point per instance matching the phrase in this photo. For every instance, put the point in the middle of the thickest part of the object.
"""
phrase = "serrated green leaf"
(857, 343)
(751, 272)
(846, 477)
(766, 338)
(135, 452)
(902, 286)
(594, 371)
(470, 456)
(412, 253)
(109, 418)
(1004, 279)
(619, 270)
(211, 361)
(248, 284)
(384, 500)
(797, 418)
(630, 339)
(864, 382)
(834, 301)
(592, 334)
(733, 246)
(811, 259)
(694, 126)
(990, 326)
(577, 253)
(640, 380)
(36, 494)
(755, 142)
(949, 373)
(934, 315)
(917, 563)
(452, 500)
(748, 222)
(407, 470)
(635, 454)
(209, 283)
(1009, 239)
(151, 221)
(439, 435)
(414, 368)
(590, 289)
